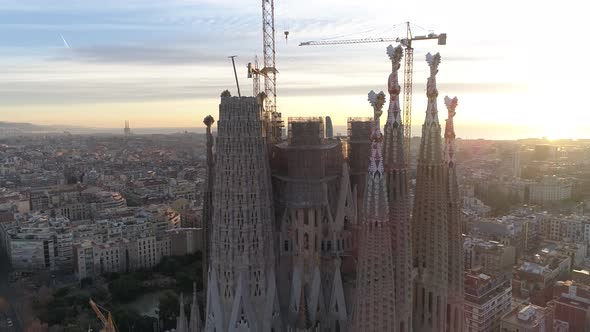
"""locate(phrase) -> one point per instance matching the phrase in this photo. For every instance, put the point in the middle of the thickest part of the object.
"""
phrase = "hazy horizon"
(467, 132)
(97, 64)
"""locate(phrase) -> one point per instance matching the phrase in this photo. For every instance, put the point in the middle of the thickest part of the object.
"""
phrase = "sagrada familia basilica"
(320, 233)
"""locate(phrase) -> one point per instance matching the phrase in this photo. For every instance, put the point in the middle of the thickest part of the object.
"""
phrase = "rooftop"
(528, 316)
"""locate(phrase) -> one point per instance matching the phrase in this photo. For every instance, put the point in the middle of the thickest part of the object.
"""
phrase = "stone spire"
(430, 225)
(455, 239)
(376, 207)
(241, 269)
(451, 104)
(374, 308)
(181, 324)
(394, 131)
(303, 323)
(431, 143)
(398, 198)
(208, 199)
(195, 323)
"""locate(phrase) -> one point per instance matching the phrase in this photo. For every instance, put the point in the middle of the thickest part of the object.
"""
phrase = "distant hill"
(19, 125)
(16, 128)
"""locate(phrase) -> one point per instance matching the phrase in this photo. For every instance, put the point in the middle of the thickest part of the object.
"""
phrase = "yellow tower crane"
(109, 324)
(408, 69)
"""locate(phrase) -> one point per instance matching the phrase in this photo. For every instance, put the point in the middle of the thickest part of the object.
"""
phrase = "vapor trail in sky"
(65, 42)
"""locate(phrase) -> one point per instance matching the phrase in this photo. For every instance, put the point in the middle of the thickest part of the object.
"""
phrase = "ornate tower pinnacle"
(394, 131)
(181, 323)
(394, 113)
(431, 144)
(431, 90)
(450, 129)
(374, 308)
(241, 286)
(455, 239)
(195, 324)
(430, 219)
(208, 199)
(398, 198)
(376, 207)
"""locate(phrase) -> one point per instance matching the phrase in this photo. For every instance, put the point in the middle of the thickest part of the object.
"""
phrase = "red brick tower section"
(455, 240)
(398, 197)
(429, 224)
(374, 308)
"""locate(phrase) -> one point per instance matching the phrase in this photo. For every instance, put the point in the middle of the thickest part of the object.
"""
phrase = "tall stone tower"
(314, 206)
(396, 176)
(455, 240)
(242, 293)
(430, 219)
(208, 199)
(374, 308)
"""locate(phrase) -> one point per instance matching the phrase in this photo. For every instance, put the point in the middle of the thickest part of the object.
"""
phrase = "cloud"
(170, 88)
(144, 54)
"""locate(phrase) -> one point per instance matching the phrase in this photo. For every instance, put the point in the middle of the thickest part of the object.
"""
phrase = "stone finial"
(377, 100)
(433, 62)
(395, 55)
(208, 121)
(451, 104)
(225, 93)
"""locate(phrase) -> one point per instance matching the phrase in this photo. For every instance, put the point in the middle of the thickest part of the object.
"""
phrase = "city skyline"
(164, 65)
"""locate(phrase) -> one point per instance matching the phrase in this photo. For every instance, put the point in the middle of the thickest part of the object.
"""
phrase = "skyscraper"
(455, 239)
(396, 176)
(430, 219)
(374, 306)
(329, 128)
(242, 293)
(127, 129)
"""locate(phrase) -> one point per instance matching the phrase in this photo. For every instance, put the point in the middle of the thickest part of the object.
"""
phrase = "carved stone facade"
(455, 238)
(374, 303)
(334, 249)
(398, 194)
(430, 219)
(315, 208)
(242, 293)
(208, 198)
(438, 258)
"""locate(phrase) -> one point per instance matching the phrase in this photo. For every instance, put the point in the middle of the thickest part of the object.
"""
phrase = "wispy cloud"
(144, 54)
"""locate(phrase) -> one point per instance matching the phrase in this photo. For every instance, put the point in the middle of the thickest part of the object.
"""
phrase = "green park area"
(139, 301)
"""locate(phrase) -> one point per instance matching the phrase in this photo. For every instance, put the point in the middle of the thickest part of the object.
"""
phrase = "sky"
(517, 67)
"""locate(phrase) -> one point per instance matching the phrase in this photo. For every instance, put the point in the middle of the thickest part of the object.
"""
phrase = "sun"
(555, 132)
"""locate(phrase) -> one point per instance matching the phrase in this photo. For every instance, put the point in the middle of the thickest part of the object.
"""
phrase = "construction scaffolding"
(307, 163)
(306, 130)
(359, 147)
(359, 130)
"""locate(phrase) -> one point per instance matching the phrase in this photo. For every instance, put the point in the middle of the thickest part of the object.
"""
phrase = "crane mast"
(272, 118)
(408, 69)
(408, 73)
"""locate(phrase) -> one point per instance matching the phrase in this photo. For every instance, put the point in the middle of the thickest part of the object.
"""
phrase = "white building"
(121, 255)
(550, 189)
(40, 248)
(93, 259)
